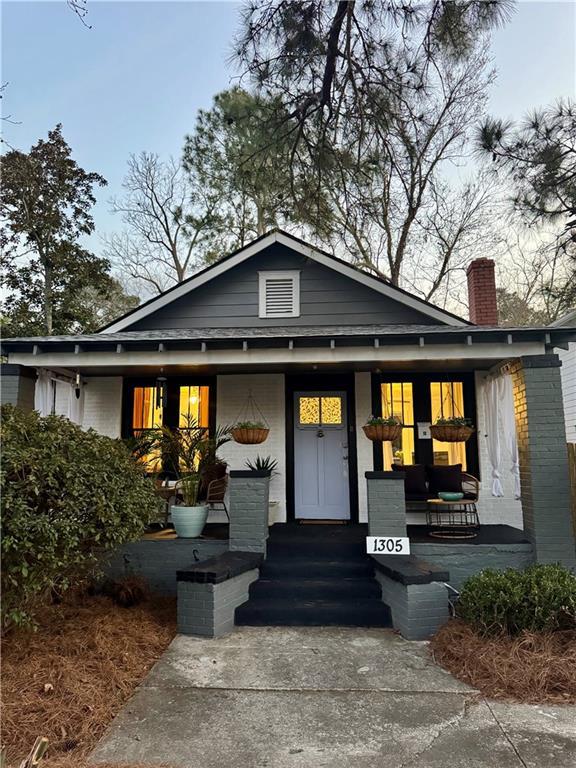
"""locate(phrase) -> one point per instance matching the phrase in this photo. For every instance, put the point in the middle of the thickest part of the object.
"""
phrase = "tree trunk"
(48, 304)
(260, 223)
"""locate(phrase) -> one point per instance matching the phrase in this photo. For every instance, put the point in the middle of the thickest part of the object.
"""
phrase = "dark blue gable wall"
(326, 298)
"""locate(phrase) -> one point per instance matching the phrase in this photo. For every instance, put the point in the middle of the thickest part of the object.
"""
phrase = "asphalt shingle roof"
(289, 332)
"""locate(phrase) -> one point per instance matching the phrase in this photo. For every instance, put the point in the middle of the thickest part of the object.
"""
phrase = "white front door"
(321, 482)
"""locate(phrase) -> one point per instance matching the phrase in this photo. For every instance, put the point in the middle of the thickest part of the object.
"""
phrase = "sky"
(135, 80)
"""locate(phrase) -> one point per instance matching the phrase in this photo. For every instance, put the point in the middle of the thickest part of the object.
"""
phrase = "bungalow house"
(288, 334)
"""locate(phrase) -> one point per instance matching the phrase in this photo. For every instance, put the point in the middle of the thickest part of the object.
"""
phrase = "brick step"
(363, 612)
(317, 550)
(300, 567)
(339, 589)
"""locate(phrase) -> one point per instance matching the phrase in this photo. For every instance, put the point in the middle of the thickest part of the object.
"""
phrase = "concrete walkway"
(331, 697)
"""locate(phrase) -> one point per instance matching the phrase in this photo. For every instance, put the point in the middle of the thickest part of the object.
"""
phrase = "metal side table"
(452, 519)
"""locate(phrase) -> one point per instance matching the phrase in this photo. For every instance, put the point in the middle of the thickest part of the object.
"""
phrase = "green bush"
(67, 495)
(541, 598)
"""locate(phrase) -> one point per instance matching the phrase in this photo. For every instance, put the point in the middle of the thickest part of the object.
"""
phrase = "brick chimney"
(482, 305)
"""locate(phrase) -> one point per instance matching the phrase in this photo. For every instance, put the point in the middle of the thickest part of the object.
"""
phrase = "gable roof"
(568, 318)
(324, 258)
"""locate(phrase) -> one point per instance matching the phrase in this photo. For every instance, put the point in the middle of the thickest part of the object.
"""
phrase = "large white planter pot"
(189, 522)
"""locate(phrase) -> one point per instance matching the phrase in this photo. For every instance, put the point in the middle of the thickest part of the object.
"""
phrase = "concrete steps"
(315, 576)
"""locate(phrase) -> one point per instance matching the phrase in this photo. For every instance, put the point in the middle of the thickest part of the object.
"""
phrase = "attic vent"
(279, 294)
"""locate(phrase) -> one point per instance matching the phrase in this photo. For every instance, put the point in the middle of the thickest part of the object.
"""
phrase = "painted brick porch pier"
(544, 474)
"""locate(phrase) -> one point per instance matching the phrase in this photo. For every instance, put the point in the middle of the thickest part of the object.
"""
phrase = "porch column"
(249, 495)
(543, 457)
(386, 503)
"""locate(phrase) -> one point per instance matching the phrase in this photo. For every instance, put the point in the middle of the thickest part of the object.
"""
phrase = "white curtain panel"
(492, 416)
(501, 431)
(43, 392)
(76, 404)
(506, 396)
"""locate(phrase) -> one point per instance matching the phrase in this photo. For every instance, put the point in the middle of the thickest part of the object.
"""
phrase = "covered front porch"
(315, 388)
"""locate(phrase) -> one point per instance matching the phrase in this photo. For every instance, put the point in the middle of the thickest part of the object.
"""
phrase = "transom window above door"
(319, 410)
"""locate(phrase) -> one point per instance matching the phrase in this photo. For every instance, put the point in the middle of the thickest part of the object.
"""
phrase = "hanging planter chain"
(251, 426)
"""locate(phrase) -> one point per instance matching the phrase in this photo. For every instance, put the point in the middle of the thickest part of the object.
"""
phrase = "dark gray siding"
(17, 386)
(326, 298)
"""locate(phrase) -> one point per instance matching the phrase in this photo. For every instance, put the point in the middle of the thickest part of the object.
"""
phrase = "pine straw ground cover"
(534, 668)
(67, 680)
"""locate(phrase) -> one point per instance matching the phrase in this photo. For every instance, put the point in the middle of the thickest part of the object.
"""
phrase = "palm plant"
(263, 464)
(208, 460)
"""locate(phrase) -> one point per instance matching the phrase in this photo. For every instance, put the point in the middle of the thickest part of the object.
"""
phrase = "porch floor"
(487, 534)
(295, 533)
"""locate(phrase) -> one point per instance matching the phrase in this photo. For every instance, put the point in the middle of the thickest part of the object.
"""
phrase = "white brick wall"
(62, 398)
(504, 510)
(103, 405)
(568, 374)
(268, 392)
(364, 451)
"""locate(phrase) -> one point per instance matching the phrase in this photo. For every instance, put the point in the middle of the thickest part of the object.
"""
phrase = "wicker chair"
(216, 494)
(470, 485)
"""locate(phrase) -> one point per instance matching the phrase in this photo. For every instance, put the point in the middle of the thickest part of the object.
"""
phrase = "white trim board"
(196, 281)
(311, 355)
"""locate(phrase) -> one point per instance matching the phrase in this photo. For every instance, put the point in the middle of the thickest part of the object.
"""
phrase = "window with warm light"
(193, 406)
(182, 406)
(398, 400)
(147, 414)
(447, 401)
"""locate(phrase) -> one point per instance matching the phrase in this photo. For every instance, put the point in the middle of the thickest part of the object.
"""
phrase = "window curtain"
(46, 400)
(76, 404)
(43, 393)
(501, 431)
(509, 427)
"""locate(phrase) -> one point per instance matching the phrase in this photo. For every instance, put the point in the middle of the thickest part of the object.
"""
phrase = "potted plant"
(190, 517)
(382, 428)
(181, 455)
(266, 464)
(455, 429)
(263, 464)
(210, 465)
(249, 432)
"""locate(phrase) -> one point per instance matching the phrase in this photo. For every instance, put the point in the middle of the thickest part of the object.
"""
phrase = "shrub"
(67, 495)
(541, 598)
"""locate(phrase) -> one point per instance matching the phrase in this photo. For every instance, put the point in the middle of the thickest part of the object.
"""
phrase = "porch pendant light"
(77, 387)
(251, 426)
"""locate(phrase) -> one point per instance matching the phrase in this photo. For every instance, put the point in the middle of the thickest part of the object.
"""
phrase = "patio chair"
(216, 493)
(470, 486)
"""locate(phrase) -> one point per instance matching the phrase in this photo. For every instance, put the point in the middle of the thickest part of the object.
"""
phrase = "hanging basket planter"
(251, 428)
(249, 434)
(451, 433)
(381, 433)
